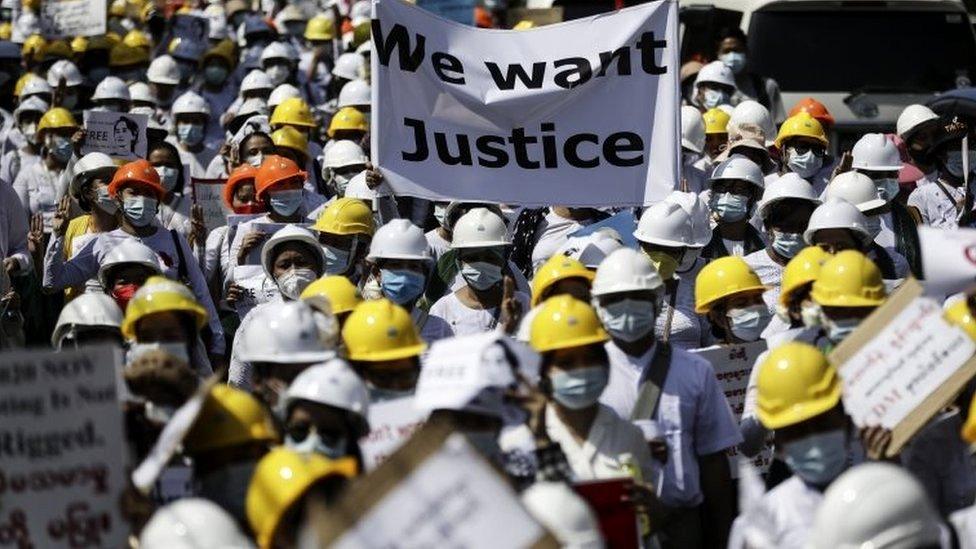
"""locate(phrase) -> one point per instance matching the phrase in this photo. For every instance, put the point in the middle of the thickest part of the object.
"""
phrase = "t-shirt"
(464, 320)
(935, 206)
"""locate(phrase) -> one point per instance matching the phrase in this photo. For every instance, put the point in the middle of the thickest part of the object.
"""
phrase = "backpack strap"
(651, 387)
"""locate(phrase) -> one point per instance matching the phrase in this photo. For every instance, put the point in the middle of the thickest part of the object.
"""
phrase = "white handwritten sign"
(392, 422)
(257, 288)
(209, 195)
(68, 18)
(62, 456)
(948, 259)
(119, 135)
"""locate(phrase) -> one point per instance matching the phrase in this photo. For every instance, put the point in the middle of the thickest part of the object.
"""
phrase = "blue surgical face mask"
(336, 260)
(805, 165)
(481, 275)
(818, 459)
(313, 443)
(580, 388)
(379, 394)
(139, 210)
(215, 75)
(286, 202)
(628, 319)
(713, 98)
(748, 323)
(730, 207)
(734, 60)
(787, 244)
(887, 187)
(167, 177)
(189, 134)
(60, 147)
(401, 286)
(104, 201)
(838, 330)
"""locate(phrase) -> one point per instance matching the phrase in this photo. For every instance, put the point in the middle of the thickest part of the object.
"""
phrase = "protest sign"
(609, 501)
(62, 448)
(436, 491)
(209, 195)
(193, 33)
(256, 288)
(69, 18)
(903, 364)
(269, 229)
(732, 365)
(119, 135)
(391, 423)
(538, 16)
(527, 117)
(461, 11)
(948, 259)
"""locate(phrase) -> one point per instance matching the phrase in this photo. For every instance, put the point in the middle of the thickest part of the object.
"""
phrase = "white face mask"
(104, 201)
(748, 323)
(810, 313)
(29, 131)
(176, 349)
(277, 74)
(713, 98)
(805, 165)
(256, 160)
(294, 282)
(167, 177)
(628, 319)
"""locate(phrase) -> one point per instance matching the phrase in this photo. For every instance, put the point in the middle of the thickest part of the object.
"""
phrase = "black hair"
(730, 32)
(162, 144)
(133, 128)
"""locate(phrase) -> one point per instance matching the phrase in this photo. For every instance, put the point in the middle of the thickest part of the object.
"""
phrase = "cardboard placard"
(62, 448)
(209, 195)
(948, 259)
(69, 18)
(436, 491)
(119, 135)
(539, 16)
(391, 423)
(903, 364)
(269, 229)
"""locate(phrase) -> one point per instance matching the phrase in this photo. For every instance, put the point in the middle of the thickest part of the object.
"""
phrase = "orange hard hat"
(814, 108)
(241, 174)
(275, 169)
(137, 173)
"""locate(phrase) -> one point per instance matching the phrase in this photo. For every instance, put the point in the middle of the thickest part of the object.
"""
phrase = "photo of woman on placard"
(126, 135)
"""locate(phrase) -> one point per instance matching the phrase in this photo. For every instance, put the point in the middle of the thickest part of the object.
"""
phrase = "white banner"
(583, 113)
(69, 18)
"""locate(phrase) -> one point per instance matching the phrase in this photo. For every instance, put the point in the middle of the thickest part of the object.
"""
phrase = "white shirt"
(550, 235)
(437, 243)
(689, 330)
(13, 227)
(788, 512)
(693, 414)
(936, 209)
(15, 161)
(176, 215)
(216, 258)
(431, 328)
(196, 163)
(464, 320)
(39, 190)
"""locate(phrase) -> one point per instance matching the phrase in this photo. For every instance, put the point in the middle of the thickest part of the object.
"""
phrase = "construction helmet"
(279, 50)
(57, 49)
(716, 121)
(136, 173)
(739, 168)
(876, 505)
(874, 152)
(666, 223)
(56, 119)
(33, 48)
(7, 30)
(290, 233)
(257, 79)
(31, 104)
(335, 384)
(160, 294)
(801, 270)
(692, 129)
(241, 174)
(224, 50)
(724, 277)
(293, 111)
(122, 55)
(849, 279)
(801, 125)
(89, 310)
(837, 213)
(625, 270)
(379, 330)
(89, 166)
(229, 417)
(912, 119)
(715, 72)
(814, 108)
(788, 185)
(190, 103)
(754, 113)
(358, 188)
(856, 188)
(290, 138)
(282, 93)
(346, 216)
(348, 66)
(592, 249)
(275, 169)
(320, 27)
(338, 293)
(959, 314)
(556, 268)
(344, 153)
(286, 332)
(163, 70)
(135, 38)
(564, 322)
(355, 93)
(399, 239)
(192, 523)
(348, 118)
(29, 78)
(281, 479)
(128, 252)
(111, 87)
(795, 383)
(479, 228)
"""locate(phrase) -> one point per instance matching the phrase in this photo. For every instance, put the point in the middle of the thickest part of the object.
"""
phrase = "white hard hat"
(876, 505)
(218, 28)
(692, 129)
(856, 188)
(27, 23)
(753, 112)
(290, 233)
(31, 104)
(257, 79)
(592, 249)
(282, 92)
(358, 188)
(192, 523)
(140, 91)
(333, 383)
(679, 220)
(836, 213)
(163, 70)
(129, 251)
(399, 239)
(348, 66)
(112, 87)
(343, 153)
(625, 270)
(912, 117)
(62, 68)
(716, 72)
(35, 85)
(88, 166)
(738, 167)
(290, 13)
(285, 332)
(360, 9)
(788, 185)
(873, 151)
(564, 514)
(253, 106)
(190, 103)
(479, 228)
(88, 310)
(354, 93)
(279, 50)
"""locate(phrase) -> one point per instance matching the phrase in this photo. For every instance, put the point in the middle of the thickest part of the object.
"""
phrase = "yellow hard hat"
(524, 24)
(135, 38)
(556, 268)
(33, 48)
(969, 428)
(849, 279)
(22, 81)
(293, 111)
(57, 49)
(724, 277)
(795, 384)
(112, 38)
(223, 50)
(320, 27)
(229, 417)
(117, 8)
(801, 124)
(79, 44)
(122, 55)
(31, 5)
(959, 314)
(564, 322)
(280, 480)
(716, 121)
(56, 118)
(100, 42)
(6, 30)
(160, 294)
(380, 330)
(346, 216)
(802, 269)
(341, 294)
(290, 138)
(348, 118)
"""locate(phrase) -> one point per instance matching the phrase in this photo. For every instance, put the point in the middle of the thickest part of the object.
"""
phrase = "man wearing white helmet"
(124, 270)
(92, 319)
(191, 117)
(692, 148)
(111, 95)
(946, 200)
(592, 249)
(627, 294)
(66, 73)
(279, 61)
(163, 76)
(341, 161)
(255, 84)
(20, 157)
(837, 225)
(736, 186)
(714, 86)
(356, 94)
(192, 523)
(916, 127)
(89, 188)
